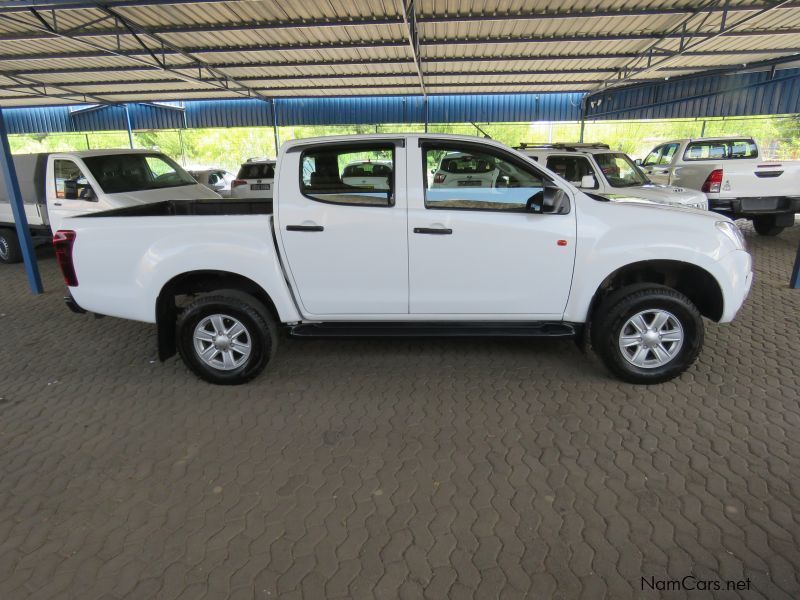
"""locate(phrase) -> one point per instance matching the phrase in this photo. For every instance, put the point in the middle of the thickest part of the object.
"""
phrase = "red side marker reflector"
(562, 242)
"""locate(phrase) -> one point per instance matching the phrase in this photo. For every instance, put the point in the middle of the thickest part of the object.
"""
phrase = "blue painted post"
(128, 121)
(275, 126)
(18, 210)
(794, 282)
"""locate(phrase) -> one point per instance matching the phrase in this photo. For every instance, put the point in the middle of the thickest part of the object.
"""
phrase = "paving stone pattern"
(396, 469)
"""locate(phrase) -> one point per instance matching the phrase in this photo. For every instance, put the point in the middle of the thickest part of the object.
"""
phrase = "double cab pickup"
(501, 246)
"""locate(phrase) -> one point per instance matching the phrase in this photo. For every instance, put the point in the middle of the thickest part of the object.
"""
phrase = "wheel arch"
(693, 281)
(200, 282)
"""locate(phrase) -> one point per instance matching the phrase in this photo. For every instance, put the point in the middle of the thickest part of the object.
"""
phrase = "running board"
(436, 329)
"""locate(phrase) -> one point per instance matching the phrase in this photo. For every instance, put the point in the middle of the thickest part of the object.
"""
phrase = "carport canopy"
(77, 51)
(74, 52)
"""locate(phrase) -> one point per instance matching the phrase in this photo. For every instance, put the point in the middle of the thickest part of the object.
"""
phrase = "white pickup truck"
(738, 182)
(529, 256)
(58, 185)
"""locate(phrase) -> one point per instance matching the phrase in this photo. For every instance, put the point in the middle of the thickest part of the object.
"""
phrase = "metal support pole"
(425, 106)
(794, 282)
(275, 126)
(18, 210)
(128, 121)
(183, 150)
(703, 129)
(583, 118)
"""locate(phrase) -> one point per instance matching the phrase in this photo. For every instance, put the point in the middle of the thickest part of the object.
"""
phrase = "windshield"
(619, 170)
(121, 173)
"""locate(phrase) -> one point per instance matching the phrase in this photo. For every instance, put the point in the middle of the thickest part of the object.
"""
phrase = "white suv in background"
(595, 168)
(461, 169)
(255, 181)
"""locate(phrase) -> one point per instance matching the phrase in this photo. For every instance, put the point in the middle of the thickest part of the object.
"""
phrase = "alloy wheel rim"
(651, 338)
(222, 342)
(4, 252)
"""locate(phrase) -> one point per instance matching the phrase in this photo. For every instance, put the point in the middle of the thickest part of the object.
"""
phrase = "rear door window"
(361, 175)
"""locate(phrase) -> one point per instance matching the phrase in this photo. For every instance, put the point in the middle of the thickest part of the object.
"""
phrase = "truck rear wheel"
(227, 337)
(10, 252)
(647, 333)
(767, 225)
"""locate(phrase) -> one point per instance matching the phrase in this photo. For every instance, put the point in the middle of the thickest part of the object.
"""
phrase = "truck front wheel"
(10, 252)
(767, 225)
(647, 333)
(227, 337)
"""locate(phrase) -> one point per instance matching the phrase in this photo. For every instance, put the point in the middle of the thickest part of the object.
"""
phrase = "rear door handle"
(305, 228)
(433, 230)
(56, 203)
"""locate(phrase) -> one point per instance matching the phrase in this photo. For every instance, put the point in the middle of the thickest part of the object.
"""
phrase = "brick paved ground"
(395, 469)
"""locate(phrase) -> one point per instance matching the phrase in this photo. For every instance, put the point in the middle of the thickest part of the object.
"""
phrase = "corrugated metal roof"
(721, 95)
(263, 48)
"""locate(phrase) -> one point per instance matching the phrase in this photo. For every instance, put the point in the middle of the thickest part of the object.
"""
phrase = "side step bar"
(436, 329)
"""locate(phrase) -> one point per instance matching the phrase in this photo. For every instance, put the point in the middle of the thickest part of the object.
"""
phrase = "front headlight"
(732, 232)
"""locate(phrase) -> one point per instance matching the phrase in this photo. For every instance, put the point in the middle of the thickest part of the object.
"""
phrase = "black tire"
(612, 315)
(10, 251)
(260, 332)
(765, 225)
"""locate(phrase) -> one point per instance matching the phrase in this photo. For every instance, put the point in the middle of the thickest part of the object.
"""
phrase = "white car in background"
(255, 180)
(217, 180)
(461, 169)
(368, 174)
(595, 168)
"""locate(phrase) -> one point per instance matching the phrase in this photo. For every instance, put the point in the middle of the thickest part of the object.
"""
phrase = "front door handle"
(56, 203)
(433, 230)
(305, 228)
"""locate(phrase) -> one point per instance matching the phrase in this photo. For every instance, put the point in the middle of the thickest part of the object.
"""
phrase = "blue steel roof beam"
(64, 92)
(391, 75)
(78, 33)
(168, 50)
(137, 30)
(246, 64)
(102, 51)
(631, 69)
(23, 5)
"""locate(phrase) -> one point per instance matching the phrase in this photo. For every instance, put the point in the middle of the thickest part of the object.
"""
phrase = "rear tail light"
(713, 182)
(439, 178)
(63, 240)
(238, 182)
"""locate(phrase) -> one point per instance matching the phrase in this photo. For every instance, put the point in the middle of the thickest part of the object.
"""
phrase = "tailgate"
(765, 179)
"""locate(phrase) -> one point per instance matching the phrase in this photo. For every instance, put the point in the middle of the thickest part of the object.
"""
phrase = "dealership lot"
(396, 468)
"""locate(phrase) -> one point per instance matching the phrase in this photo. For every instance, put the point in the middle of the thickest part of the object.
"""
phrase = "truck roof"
(89, 153)
(388, 137)
(716, 138)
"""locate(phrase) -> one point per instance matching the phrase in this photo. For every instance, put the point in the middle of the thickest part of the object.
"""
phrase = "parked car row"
(737, 180)
(726, 175)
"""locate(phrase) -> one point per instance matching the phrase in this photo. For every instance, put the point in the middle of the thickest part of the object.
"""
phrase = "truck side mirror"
(588, 182)
(549, 200)
(638, 162)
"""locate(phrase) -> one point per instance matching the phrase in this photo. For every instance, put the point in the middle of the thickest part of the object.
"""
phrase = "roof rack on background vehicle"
(563, 146)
